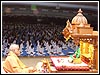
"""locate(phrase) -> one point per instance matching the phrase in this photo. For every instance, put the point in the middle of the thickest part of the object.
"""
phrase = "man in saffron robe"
(13, 64)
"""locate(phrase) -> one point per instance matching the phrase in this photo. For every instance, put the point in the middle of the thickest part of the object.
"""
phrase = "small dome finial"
(80, 11)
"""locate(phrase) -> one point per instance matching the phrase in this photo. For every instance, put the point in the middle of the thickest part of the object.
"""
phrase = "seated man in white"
(54, 50)
(51, 52)
(64, 46)
(48, 49)
(40, 51)
(59, 50)
(21, 46)
(31, 51)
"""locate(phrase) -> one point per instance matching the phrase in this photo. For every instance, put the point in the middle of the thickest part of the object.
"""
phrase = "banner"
(35, 10)
(33, 7)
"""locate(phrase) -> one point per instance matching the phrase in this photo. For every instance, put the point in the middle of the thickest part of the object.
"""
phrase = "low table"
(62, 64)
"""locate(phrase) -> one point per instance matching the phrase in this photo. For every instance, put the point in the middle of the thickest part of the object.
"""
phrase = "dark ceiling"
(89, 8)
(88, 5)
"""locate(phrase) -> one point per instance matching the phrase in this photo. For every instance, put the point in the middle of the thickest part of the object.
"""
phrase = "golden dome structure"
(82, 34)
(78, 25)
(79, 18)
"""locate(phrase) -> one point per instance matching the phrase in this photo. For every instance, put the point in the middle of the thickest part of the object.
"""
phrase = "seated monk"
(13, 64)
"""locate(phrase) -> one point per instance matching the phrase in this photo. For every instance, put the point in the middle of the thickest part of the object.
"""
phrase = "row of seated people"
(43, 48)
(31, 31)
(33, 19)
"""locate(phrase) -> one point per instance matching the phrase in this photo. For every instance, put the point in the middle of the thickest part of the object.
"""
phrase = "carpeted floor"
(32, 61)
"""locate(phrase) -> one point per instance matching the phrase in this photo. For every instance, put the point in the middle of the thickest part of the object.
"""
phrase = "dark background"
(50, 12)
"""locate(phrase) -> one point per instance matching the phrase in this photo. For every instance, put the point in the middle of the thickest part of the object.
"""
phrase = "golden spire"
(68, 23)
(69, 26)
(80, 11)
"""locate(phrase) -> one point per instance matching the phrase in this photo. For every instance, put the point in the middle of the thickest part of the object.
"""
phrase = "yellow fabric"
(77, 61)
(68, 37)
(12, 64)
